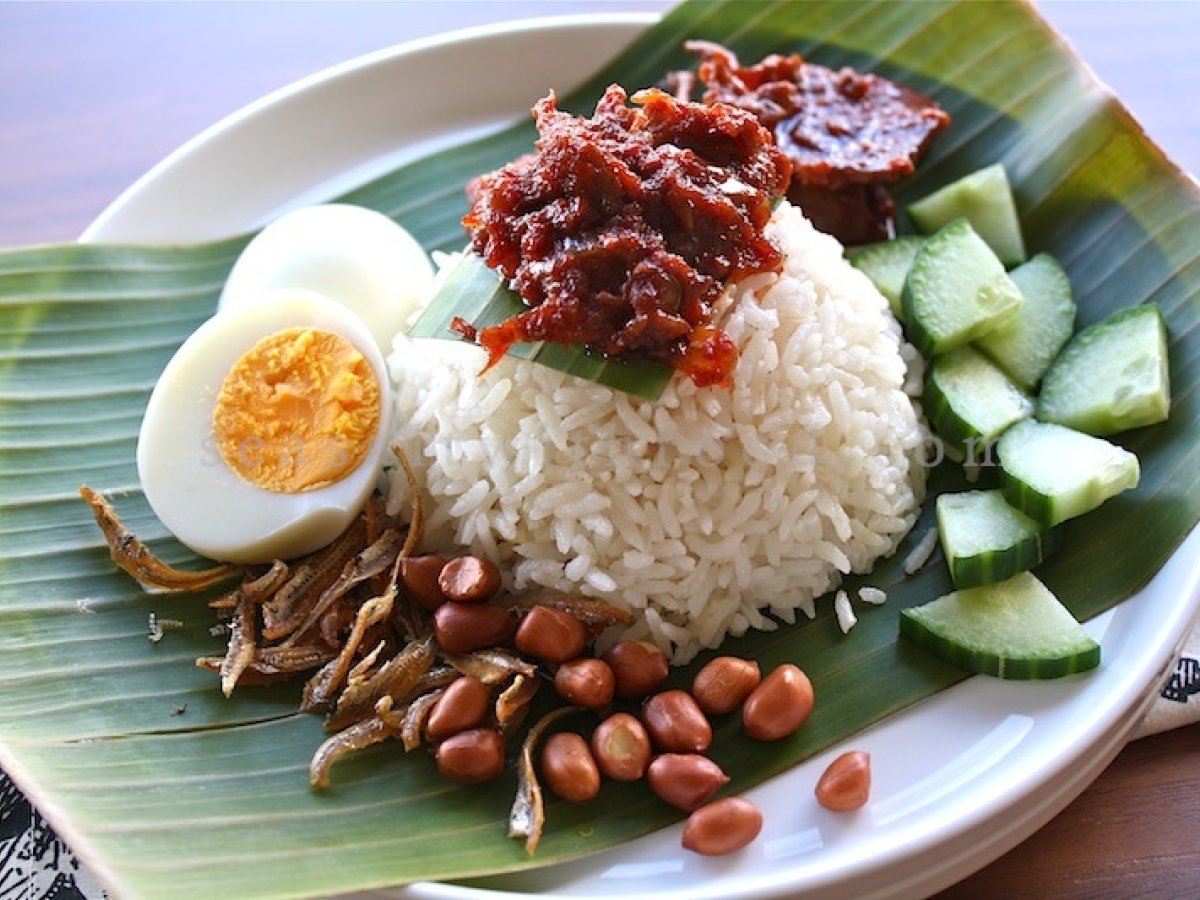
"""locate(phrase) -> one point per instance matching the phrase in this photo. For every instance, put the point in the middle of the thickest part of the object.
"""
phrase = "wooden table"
(92, 95)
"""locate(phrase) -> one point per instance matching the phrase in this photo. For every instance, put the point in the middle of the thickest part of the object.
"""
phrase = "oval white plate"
(958, 780)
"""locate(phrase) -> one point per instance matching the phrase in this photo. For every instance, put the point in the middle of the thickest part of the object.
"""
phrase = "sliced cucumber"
(984, 199)
(1112, 376)
(956, 291)
(1052, 473)
(1026, 344)
(985, 540)
(1016, 629)
(887, 265)
(967, 398)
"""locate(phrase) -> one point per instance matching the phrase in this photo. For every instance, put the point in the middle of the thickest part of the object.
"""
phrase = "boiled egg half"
(265, 434)
(349, 254)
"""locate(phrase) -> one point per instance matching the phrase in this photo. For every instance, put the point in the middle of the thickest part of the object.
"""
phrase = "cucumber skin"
(1000, 565)
(929, 344)
(1011, 669)
(1105, 422)
(997, 563)
(996, 630)
(1022, 497)
(947, 422)
(1042, 508)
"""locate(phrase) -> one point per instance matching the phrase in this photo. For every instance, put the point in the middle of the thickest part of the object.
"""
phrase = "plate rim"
(95, 231)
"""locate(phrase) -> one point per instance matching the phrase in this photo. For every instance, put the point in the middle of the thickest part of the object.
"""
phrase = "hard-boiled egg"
(265, 434)
(352, 255)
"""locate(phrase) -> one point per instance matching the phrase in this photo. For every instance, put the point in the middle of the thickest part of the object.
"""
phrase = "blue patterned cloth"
(34, 863)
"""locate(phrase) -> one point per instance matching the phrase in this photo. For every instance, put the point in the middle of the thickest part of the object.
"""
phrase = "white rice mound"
(709, 508)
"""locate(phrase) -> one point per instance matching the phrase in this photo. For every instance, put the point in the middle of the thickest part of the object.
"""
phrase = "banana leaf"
(168, 790)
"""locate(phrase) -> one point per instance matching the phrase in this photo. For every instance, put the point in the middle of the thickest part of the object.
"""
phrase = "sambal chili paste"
(847, 133)
(621, 230)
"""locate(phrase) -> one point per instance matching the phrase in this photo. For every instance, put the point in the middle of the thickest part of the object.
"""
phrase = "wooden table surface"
(91, 95)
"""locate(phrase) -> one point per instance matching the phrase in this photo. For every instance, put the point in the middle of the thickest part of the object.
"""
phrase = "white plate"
(958, 780)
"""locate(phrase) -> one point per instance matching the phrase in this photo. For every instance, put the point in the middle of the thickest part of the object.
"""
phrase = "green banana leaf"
(168, 790)
(475, 293)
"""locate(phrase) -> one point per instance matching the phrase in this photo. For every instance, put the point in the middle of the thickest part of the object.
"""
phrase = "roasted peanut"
(846, 784)
(569, 767)
(724, 684)
(676, 724)
(551, 635)
(471, 756)
(463, 627)
(469, 579)
(685, 780)
(639, 668)
(585, 682)
(419, 578)
(621, 747)
(778, 706)
(722, 827)
(461, 708)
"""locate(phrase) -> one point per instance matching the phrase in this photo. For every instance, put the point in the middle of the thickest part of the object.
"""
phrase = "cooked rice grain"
(705, 511)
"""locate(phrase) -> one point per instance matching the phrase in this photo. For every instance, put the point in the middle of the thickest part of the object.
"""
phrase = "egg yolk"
(298, 411)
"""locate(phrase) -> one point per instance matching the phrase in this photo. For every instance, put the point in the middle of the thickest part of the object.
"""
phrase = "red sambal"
(847, 133)
(621, 230)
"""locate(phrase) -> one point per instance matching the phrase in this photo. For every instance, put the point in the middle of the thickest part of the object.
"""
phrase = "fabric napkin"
(1179, 702)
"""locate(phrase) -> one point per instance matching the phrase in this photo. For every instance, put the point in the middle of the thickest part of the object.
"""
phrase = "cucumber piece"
(887, 266)
(1016, 629)
(969, 401)
(956, 291)
(1052, 473)
(1027, 344)
(984, 199)
(985, 540)
(1112, 376)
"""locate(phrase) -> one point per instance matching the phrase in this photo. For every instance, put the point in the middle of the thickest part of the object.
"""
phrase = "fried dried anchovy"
(437, 677)
(415, 717)
(284, 612)
(157, 627)
(371, 561)
(394, 678)
(364, 665)
(513, 702)
(416, 528)
(273, 664)
(261, 588)
(320, 689)
(136, 559)
(257, 589)
(243, 645)
(279, 612)
(336, 620)
(596, 615)
(293, 659)
(375, 518)
(356, 737)
(528, 815)
(491, 666)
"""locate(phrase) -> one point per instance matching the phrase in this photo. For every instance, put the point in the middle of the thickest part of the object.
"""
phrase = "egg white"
(196, 495)
(354, 256)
